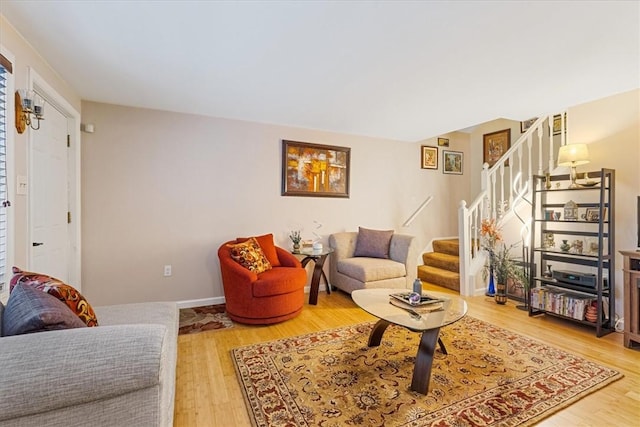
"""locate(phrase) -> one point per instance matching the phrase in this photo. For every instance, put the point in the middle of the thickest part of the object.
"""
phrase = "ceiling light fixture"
(28, 103)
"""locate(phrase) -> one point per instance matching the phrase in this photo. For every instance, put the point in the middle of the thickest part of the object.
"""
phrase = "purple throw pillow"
(373, 243)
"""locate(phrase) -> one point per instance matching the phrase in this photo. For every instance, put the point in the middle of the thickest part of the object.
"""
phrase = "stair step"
(440, 277)
(447, 246)
(442, 260)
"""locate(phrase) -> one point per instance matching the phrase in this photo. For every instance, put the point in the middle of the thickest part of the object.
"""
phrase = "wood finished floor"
(208, 393)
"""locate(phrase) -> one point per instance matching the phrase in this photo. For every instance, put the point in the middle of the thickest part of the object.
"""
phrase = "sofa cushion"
(31, 310)
(268, 247)
(278, 281)
(57, 288)
(371, 269)
(249, 255)
(373, 243)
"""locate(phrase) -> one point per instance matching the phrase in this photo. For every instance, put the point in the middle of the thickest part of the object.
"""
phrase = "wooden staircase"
(442, 266)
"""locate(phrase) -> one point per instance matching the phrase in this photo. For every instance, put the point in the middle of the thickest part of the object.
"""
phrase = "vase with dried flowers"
(295, 238)
(501, 265)
(490, 236)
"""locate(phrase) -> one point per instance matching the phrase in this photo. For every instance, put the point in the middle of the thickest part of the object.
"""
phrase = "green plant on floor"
(504, 266)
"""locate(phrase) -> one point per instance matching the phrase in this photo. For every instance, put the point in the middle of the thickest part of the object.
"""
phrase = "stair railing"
(502, 186)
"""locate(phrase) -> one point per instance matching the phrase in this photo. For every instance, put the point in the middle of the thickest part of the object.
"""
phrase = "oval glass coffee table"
(428, 321)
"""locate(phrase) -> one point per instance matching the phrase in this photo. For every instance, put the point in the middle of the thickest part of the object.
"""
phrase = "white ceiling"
(404, 70)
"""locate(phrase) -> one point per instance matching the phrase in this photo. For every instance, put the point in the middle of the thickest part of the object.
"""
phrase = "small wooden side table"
(631, 271)
(318, 257)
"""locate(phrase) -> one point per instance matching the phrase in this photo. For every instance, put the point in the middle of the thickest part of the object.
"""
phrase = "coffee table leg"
(376, 333)
(424, 361)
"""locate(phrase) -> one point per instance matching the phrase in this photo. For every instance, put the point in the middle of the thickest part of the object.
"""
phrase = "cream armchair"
(349, 272)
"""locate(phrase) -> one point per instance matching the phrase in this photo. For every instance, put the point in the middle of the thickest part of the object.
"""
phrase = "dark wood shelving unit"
(563, 299)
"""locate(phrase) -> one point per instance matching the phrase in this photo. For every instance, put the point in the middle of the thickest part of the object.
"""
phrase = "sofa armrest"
(50, 370)
(404, 249)
(343, 244)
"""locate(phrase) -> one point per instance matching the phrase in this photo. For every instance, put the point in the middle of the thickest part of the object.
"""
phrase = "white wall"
(26, 58)
(611, 127)
(166, 188)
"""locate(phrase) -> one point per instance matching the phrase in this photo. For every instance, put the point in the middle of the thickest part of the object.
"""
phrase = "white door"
(49, 201)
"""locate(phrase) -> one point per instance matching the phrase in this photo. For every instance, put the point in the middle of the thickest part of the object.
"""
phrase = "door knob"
(37, 244)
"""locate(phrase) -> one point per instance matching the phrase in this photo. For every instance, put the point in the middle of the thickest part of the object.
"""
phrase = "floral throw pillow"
(249, 255)
(57, 288)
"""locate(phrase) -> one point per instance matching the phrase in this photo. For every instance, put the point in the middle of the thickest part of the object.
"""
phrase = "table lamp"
(573, 155)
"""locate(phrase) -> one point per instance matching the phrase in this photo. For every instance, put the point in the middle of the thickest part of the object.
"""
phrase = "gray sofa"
(121, 373)
(349, 272)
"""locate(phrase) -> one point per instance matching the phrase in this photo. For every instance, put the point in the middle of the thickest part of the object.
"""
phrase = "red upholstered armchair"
(271, 296)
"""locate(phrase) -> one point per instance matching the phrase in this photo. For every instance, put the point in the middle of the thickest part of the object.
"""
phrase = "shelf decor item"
(570, 211)
(573, 155)
(565, 246)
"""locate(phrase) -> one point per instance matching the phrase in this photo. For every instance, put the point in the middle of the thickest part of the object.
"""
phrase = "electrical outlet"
(167, 270)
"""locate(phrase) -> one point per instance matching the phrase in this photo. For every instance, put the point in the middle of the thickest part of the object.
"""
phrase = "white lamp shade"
(573, 155)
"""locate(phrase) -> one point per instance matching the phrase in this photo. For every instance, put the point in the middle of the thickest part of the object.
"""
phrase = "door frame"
(36, 83)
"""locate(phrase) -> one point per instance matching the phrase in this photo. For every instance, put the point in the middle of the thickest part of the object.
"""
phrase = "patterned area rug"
(207, 318)
(491, 377)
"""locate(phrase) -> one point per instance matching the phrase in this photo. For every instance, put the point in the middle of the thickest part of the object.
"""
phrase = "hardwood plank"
(208, 393)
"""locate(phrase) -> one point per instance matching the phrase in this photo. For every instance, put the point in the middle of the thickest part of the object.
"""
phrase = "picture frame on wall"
(524, 126)
(495, 144)
(429, 157)
(315, 170)
(557, 124)
(452, 162)
(443, 142)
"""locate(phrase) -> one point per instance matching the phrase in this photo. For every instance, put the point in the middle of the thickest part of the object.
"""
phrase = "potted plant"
(295, 238)
(501, 265)
(505, 268)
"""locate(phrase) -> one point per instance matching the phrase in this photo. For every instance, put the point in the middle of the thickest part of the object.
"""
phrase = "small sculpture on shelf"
(578, 246)
(565, 246)
(549, 242)
(571, 211)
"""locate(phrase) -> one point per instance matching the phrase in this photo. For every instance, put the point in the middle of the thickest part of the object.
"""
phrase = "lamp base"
(574, 176)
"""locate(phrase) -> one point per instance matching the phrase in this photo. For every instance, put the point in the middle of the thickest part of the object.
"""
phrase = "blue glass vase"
(491, 289)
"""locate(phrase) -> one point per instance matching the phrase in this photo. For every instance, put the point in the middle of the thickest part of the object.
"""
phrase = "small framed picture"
(524, 126)
(593, 214)
(495, 144)
(592, 245)
(443, 142)
(557, 124)
(429, 158)
(452, 162)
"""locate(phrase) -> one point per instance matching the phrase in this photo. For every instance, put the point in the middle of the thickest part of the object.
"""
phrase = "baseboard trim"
(201, 302)
(220, 300)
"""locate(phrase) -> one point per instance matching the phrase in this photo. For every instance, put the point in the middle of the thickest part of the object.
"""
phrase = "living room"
(176, 185)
